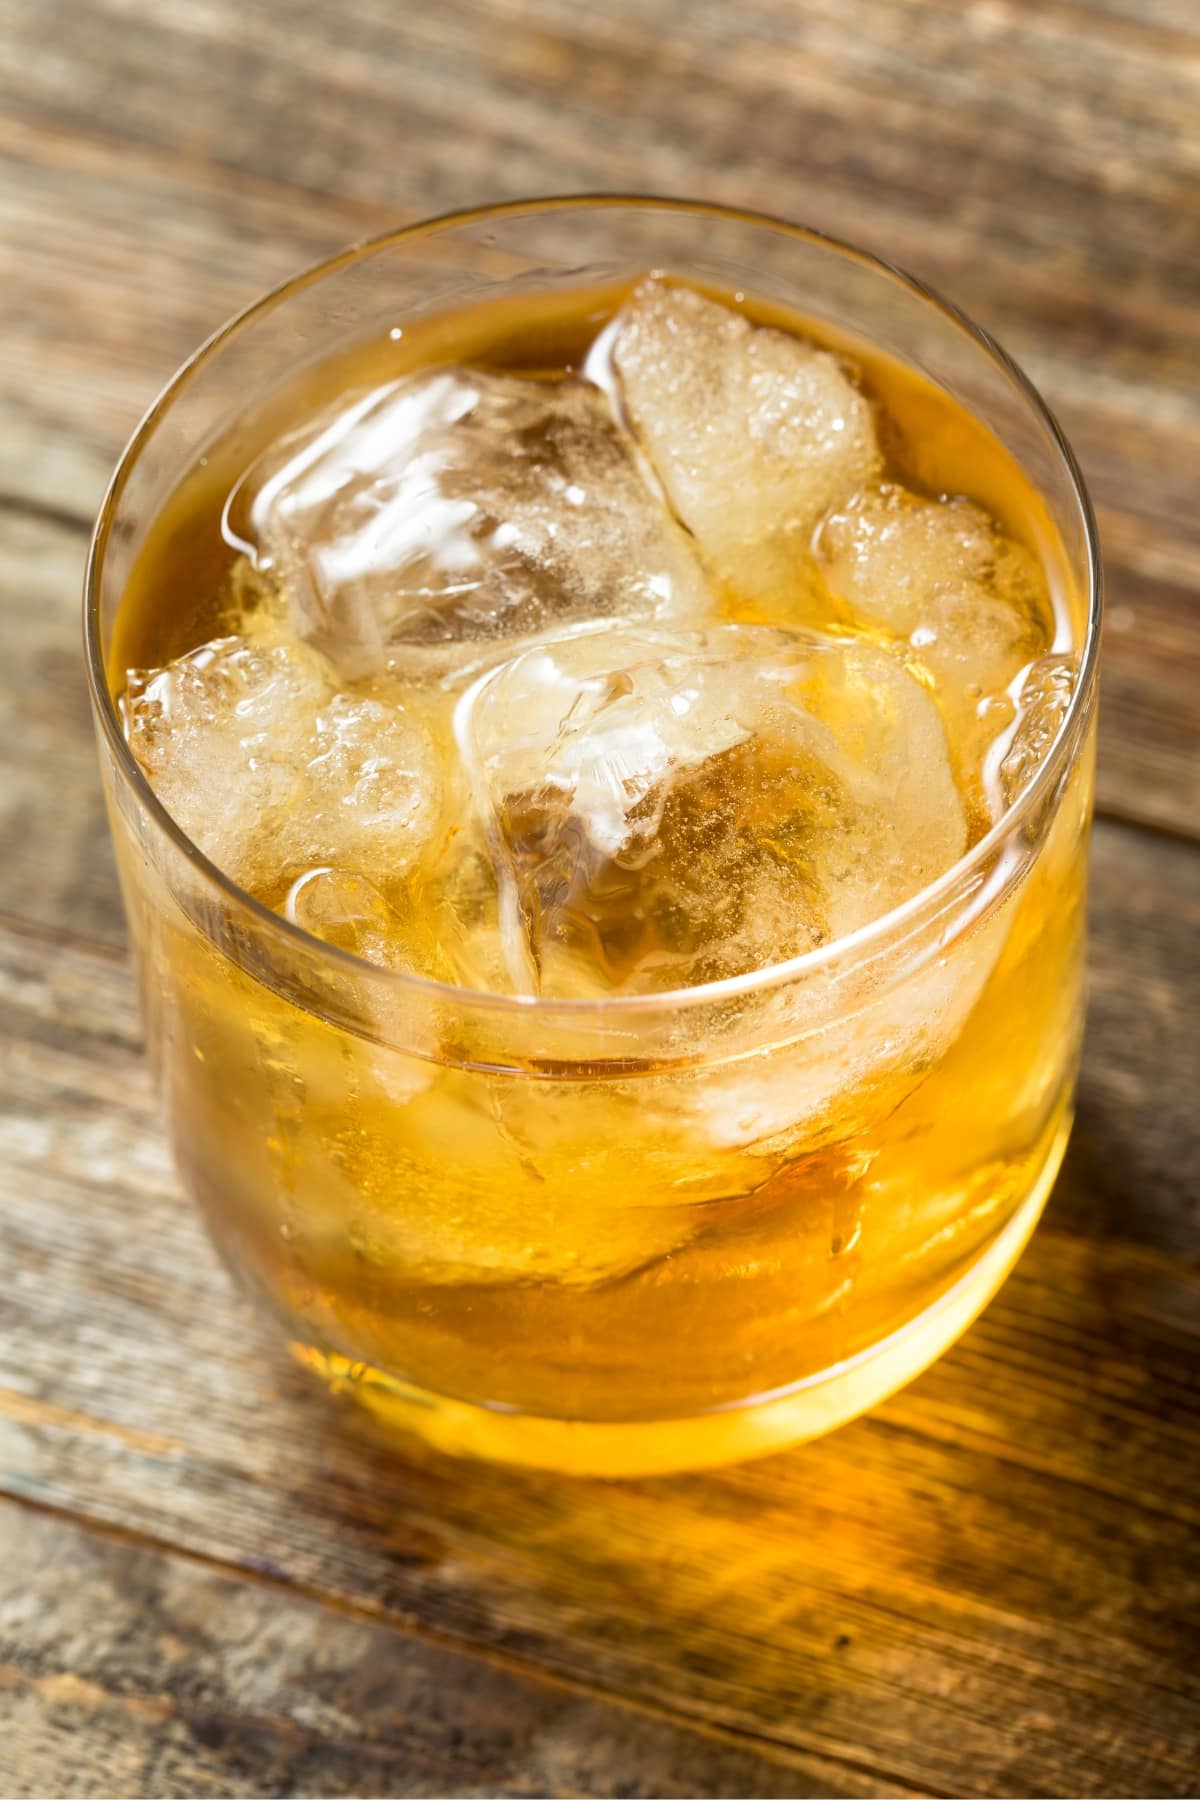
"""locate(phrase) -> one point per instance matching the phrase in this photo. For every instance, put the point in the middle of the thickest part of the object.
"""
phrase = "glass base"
(666, 1446)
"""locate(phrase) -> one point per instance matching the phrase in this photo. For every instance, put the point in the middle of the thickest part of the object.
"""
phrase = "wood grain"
(212, 1580)
(988, 1587)
(125, 1671)
(56, 863)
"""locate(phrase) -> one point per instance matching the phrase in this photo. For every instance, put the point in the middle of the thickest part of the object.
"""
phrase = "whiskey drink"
(625, 1008)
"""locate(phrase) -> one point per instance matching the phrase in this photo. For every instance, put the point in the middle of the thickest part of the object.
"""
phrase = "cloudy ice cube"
(462, 507)
(967, 601)
(343, 908)
(1042, 706)
(754, 434)
(272, 773)
(940, 574)
(666, 808)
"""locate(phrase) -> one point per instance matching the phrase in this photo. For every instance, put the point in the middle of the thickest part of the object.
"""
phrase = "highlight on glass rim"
(596, 704)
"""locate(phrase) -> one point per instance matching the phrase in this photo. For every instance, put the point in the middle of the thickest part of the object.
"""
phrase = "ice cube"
(206, 731)
(1045, 696)
(845, 1057)
(968, 602)
(451, 1177)
(371, 781)
(272, 774)
(345, 909)
(666, 808)
(754, 433)
(456, 508)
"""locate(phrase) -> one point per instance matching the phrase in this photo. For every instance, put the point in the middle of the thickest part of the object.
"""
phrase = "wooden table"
(212, 1580)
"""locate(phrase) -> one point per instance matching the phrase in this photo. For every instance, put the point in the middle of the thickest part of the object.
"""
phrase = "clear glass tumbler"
(626, 1235)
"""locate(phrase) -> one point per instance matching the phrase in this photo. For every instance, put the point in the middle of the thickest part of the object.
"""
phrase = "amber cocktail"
(596, 701)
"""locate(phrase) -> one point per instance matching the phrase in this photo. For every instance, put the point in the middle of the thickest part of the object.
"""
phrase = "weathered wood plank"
(988, 1587)
(125, 1671)
(764, 107)
(56, 865)
(991, 1586)
(106, 308)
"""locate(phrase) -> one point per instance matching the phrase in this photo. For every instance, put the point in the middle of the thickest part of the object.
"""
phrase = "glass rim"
(857, 944)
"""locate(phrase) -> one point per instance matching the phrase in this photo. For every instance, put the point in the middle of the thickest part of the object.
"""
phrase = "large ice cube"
(274, 774)
(969, 602)
(461, 507)
(666, 808)
(754, 433)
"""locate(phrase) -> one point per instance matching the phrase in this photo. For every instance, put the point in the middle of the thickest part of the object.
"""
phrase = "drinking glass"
(631, 1234)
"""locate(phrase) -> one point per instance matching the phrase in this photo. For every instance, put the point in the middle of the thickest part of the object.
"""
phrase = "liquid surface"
(643, 649)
